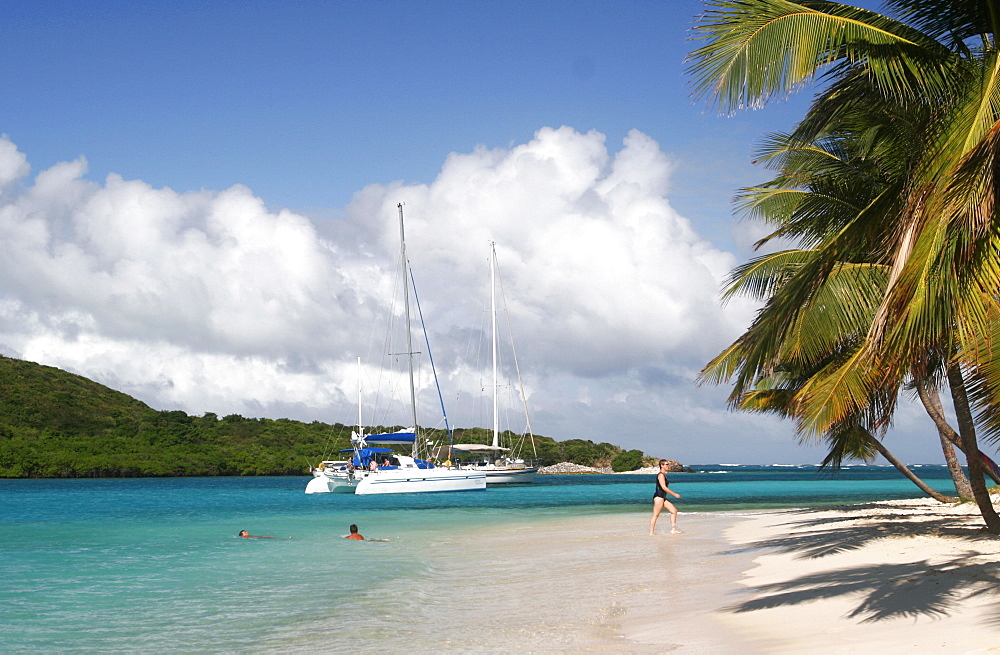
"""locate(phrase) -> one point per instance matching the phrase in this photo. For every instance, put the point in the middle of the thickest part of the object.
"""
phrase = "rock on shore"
(673, 466)
(564, 468)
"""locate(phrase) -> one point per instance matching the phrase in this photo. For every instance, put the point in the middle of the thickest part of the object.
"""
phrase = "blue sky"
(307, 102)
(216, 179)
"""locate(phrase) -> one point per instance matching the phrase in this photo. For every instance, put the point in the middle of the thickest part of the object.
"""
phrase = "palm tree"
(936, 216)
(829, 329)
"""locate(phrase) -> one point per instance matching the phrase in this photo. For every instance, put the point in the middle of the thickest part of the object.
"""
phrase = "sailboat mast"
(361, 429)
(493, 317)
(409, 335)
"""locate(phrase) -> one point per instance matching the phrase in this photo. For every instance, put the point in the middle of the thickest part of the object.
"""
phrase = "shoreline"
(897, 576)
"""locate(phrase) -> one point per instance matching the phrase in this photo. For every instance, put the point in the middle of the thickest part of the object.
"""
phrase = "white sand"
(894, 577)
(891, 577)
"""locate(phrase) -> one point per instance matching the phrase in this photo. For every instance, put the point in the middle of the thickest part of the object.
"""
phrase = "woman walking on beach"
(660, 500)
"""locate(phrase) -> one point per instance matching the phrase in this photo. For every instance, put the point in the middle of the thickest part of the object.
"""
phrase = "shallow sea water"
(155, 564)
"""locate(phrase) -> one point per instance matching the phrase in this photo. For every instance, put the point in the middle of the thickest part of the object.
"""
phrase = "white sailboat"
(501, 464)
(372, 465)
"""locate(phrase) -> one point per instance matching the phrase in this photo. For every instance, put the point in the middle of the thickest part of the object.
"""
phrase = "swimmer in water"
(247, 535)
(357, 537)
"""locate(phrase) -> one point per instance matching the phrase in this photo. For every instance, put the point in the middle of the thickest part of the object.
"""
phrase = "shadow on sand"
(912, 589)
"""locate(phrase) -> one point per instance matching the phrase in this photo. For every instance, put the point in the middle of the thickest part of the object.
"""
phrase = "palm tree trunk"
(904, 469)
(967, 430)
(962, 485)
(932, 403)
(936, 412)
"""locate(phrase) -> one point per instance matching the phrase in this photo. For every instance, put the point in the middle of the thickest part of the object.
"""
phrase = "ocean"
(143, 565)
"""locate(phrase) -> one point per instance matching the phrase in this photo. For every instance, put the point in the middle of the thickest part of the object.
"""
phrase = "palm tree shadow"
(910, 589)
(994, 619)
(887, 591)
(841, 534)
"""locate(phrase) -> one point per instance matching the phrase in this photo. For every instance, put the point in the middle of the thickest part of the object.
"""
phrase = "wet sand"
(894, 577)
(585, 583)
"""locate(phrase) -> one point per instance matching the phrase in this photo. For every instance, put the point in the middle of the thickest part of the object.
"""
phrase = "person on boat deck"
(350, 466)
(373, 465)
(385, 461)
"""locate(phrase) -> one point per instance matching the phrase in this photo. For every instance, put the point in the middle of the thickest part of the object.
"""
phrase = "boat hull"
(406, 481)
(327, 483)
(396, 481)
(511, 476)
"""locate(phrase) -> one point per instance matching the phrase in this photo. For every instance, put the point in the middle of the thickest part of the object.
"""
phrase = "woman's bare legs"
(658, 505)
(657, 508)
(673, 516)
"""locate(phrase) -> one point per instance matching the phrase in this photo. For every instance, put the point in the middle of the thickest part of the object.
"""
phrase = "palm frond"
(761, 48)
(759, 278)
(981, 354)
(856, 386)
(952, 21)
(848, 440)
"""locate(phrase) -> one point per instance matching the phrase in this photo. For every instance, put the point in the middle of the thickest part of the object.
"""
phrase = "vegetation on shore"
(55, 424)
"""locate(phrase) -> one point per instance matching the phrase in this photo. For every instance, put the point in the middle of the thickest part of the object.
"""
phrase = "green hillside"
(54, 424)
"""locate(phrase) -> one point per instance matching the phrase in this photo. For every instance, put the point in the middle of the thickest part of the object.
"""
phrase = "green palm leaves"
(889, 187)
(761, 48)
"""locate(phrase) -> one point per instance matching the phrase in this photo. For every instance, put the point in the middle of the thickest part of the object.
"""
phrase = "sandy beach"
(889, 577)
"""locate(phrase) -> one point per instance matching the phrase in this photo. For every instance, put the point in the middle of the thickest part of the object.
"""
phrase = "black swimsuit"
(660, 493)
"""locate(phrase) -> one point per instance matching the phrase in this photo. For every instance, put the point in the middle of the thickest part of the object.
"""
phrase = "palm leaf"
(761, 48)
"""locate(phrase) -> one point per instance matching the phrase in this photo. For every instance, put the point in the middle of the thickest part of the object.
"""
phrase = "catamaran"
(371, 465)
(501, 464)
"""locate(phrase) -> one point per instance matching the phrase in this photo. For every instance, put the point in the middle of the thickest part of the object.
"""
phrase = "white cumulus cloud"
(211, 301)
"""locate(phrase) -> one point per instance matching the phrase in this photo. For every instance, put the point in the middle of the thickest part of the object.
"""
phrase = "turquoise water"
(155, 564)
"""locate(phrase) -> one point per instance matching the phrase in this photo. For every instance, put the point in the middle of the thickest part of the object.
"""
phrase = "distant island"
(55, 424)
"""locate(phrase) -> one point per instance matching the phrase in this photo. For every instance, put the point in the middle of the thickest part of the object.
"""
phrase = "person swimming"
(357, 537)
(247, 535)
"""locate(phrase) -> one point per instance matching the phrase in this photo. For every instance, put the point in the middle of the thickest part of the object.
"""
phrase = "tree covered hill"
(55, 424)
